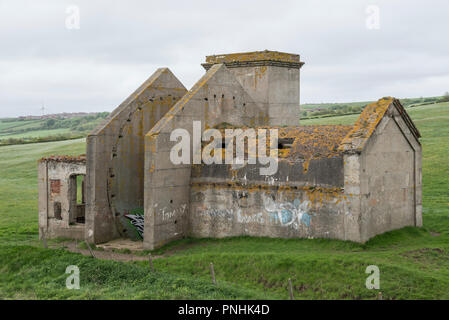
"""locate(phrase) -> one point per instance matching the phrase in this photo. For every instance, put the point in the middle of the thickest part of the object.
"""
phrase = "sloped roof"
(368, 121)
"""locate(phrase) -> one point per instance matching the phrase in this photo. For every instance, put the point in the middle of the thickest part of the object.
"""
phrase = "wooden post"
(290, 289)
(150, 258)
(90, 249)
(44, 241)
(212, 272)
(379, 296)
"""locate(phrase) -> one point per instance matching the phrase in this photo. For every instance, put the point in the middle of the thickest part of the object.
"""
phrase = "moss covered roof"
(368, 121)
(305, 143)
(68, 159)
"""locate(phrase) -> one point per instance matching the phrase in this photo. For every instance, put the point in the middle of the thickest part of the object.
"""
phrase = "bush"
(445, 98)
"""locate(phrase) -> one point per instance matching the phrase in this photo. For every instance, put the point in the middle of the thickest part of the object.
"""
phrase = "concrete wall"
(216, 98)
(56, 186)
(390, 178)
(115, 154)
(275, 89)
(293, 203)
(223, 210)
(324, 172)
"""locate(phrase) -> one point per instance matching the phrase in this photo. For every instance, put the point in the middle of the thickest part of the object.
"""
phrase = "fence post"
(212, 272)
(379, 296)
(150, 258)
(90, 249)
(290, 289)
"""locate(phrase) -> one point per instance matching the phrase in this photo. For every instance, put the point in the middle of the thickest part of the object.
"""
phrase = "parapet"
(255, 59)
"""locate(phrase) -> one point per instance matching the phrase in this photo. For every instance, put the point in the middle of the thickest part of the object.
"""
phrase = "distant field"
(36, 133)
(18, 131)
(336, 109)
(414, 262)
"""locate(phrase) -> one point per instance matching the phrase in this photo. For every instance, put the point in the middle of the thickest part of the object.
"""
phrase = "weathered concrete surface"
(390, 179)
(216, 98)
(222, 210)
(115, 152)
(58, 208)
(326, 173)
(271, 78)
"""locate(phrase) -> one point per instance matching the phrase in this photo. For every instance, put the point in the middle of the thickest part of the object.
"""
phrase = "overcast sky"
(349, 54)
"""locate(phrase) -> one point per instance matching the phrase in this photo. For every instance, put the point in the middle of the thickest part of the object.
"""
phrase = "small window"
(57, 210)
(77, 199)
(285, 143)
(80, 189)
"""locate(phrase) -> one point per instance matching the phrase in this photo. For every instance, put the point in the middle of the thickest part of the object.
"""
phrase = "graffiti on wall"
(229, 214)
(136, 218)
(289, 213)
(170, 214)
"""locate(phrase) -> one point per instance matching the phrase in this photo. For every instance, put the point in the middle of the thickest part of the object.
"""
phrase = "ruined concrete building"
(340, 182)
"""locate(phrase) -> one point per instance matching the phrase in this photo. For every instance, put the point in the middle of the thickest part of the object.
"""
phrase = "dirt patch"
(427, 256)
(434, 234)
(182, 247)
(426, 250)
(122, 244)
(104, 254)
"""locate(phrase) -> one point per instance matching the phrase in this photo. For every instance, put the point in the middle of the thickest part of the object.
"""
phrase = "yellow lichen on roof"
(253, 56)
(308, 142)
(365, 125)
(314, 142)
(81, 158)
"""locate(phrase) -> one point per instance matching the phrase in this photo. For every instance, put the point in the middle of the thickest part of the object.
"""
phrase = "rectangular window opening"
(285, 143)
(57, 210)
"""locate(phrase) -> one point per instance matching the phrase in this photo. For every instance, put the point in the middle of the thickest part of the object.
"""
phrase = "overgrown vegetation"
(414, 262)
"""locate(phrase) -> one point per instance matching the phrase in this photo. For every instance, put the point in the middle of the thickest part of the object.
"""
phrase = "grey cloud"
(121, 43)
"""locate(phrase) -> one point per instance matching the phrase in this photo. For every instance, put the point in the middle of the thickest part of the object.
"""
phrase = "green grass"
(16, 130)
(414, 263)
(35, 273)
(319, 110)
(16, 124)
(36, 133)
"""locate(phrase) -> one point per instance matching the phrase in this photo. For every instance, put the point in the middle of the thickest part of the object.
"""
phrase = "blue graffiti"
(287, 213)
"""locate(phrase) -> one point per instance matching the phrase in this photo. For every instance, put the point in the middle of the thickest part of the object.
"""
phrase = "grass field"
(414, 262)
(16, 130)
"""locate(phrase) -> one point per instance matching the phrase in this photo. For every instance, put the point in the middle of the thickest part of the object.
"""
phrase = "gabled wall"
(390, 178)
(115, 156)
(216, 98)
